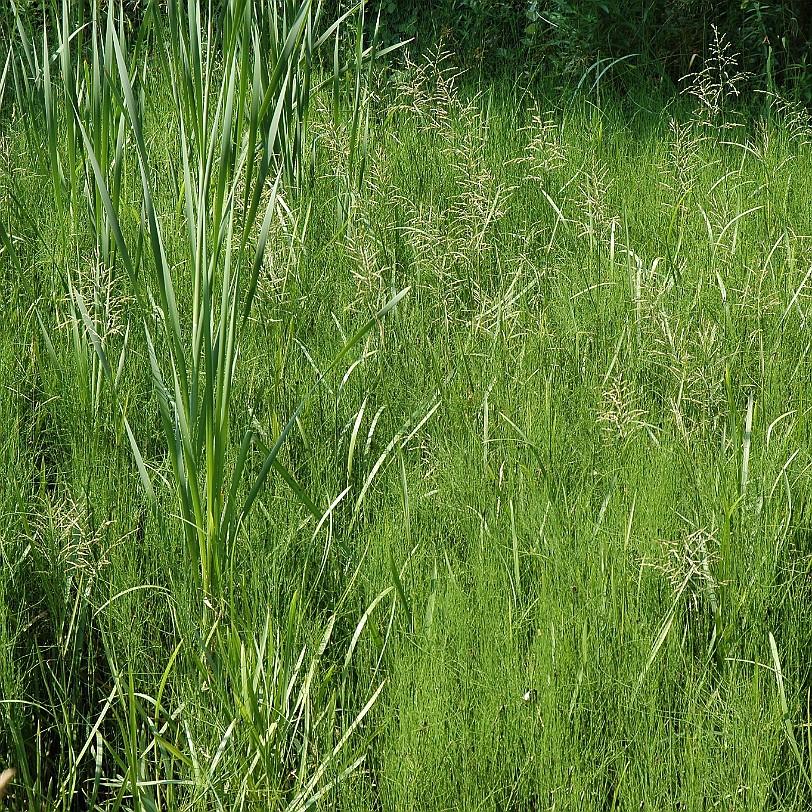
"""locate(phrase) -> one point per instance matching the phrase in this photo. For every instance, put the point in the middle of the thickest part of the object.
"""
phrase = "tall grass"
(239, 85)
(540, 533)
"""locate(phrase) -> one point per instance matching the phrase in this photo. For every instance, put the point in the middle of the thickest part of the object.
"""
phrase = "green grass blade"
(785, 714)
(271, 456)
(401, 592)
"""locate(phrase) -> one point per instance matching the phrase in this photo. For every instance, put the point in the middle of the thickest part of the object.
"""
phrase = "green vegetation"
(372, 437)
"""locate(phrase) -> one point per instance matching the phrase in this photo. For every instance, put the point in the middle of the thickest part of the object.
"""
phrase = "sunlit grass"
(534, 536)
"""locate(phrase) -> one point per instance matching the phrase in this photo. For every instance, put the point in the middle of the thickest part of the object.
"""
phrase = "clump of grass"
(238, 101)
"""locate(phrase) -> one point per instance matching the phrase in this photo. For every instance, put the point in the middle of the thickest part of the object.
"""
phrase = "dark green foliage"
(573, 39)
(579, 38)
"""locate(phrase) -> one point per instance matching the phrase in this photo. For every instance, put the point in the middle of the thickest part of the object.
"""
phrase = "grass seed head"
(688, 564)
(619, 416)
(719, 84)
(546, 151)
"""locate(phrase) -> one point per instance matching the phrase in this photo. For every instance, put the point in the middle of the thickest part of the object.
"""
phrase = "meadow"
(376, 436)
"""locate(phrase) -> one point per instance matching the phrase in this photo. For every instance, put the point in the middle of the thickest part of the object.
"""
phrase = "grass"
(533, 536)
